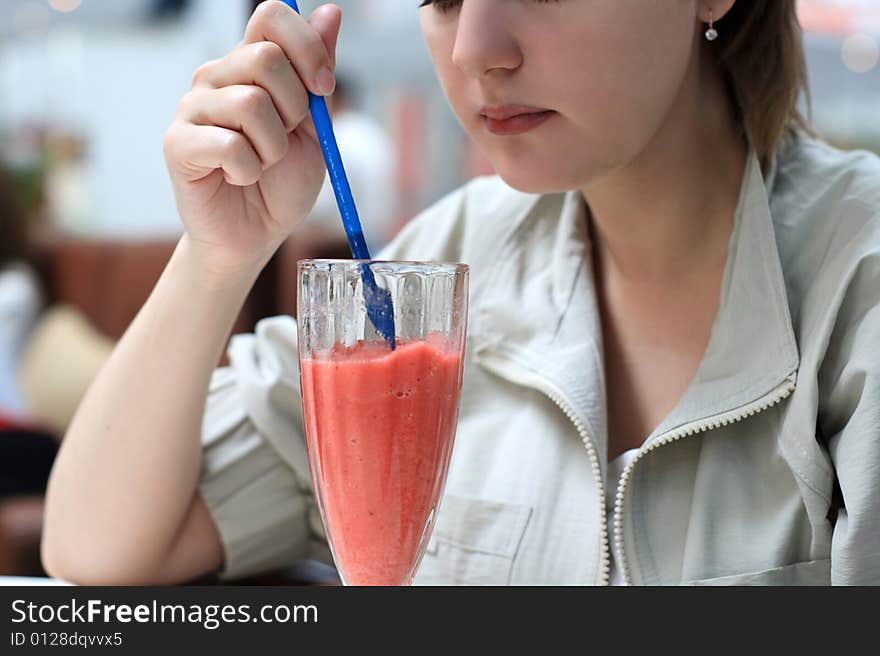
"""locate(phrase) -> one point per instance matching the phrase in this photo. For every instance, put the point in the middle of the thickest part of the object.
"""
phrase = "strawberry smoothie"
(380, 426)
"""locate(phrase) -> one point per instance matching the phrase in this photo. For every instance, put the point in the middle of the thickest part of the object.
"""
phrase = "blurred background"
(87, 90)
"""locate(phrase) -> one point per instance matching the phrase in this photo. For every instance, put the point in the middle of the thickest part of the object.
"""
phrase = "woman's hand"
(245, 163)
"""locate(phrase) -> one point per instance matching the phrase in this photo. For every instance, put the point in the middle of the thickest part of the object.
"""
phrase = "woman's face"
(606, 71)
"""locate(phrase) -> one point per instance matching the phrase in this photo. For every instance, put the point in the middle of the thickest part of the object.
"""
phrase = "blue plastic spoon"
(380, 308)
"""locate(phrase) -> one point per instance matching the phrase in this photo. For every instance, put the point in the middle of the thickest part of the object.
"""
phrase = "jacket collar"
(538, 321)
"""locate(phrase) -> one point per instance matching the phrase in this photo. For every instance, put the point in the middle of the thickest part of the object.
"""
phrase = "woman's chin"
(532, 180)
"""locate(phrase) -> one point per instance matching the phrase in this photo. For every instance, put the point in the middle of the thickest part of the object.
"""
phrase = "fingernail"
(325, 81)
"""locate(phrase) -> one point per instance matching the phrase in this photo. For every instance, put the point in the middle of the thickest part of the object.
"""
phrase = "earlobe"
(710, 10)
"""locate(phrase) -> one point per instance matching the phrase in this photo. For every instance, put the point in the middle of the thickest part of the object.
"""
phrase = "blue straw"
(378, 301)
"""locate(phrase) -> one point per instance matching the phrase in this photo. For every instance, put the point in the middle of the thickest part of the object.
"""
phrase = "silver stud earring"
(711, 33)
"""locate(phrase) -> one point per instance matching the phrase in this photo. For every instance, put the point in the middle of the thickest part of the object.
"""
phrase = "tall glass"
(380, 421)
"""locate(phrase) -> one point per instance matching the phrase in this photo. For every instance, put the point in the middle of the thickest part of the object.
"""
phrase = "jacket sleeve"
(851, 420)
(255, 479)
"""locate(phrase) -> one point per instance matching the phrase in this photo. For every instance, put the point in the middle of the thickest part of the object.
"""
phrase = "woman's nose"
(484, 40)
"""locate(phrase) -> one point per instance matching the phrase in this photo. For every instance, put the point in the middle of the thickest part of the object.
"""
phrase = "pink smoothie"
(380, 427)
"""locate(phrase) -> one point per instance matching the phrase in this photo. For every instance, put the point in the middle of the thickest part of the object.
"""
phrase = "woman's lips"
(512, 120)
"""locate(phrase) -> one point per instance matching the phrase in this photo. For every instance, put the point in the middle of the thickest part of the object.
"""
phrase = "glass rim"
(459, 267)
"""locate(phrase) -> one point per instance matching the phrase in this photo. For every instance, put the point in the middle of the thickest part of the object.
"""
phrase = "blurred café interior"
(87, 89)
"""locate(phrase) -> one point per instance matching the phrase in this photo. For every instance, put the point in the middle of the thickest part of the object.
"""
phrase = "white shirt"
(739, 484)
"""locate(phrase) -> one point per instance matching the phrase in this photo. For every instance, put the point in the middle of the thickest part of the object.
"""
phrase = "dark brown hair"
(761, 54)
(13, 227)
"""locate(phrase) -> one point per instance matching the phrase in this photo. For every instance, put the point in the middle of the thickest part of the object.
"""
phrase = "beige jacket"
(766, 472)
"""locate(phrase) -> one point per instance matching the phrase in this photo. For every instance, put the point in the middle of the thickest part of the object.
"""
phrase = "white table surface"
(30, 580)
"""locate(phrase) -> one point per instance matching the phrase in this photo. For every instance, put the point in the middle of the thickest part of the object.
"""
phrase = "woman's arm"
(849, 387)
(246, 167)
(125, 478)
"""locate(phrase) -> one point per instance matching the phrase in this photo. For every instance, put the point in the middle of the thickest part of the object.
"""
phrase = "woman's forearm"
(129, 464)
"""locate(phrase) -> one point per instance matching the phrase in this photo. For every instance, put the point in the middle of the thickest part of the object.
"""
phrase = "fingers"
(311, 51)
(198, 150)
(265, 65)
(242, 107)
(326, 20)
(246, 109)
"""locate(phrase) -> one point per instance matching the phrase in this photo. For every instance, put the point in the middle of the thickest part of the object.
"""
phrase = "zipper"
(770, 399)
(558, 397)
(605, 561)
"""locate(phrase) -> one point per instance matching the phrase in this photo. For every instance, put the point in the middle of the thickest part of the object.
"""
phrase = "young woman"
(672, 373)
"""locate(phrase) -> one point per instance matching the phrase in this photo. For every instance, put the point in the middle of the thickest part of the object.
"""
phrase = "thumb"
(327, 20)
